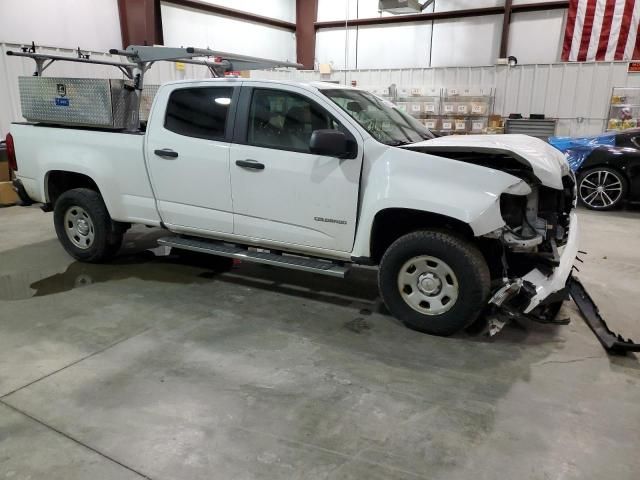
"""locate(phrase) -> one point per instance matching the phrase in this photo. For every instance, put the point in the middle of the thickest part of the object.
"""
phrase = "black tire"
(471, 277)
(594, 201)
(107, 237)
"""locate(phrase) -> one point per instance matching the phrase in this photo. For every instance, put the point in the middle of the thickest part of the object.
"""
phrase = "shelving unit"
(624, 108)
(444, 110)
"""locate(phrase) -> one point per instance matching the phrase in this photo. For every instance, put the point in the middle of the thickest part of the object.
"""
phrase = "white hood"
(548, 164)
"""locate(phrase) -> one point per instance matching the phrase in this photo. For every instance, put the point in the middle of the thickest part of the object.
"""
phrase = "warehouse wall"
(535, 37)
(577, 94)
(189, 27)
(280, 9)
(91, 25)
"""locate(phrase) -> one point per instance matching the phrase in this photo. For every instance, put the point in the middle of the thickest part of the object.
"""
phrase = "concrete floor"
(149, 368)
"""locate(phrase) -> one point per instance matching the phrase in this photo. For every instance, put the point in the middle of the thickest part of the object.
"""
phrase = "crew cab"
(319, 177)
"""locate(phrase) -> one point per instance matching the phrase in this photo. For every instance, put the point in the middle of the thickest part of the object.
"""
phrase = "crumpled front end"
(537, 248)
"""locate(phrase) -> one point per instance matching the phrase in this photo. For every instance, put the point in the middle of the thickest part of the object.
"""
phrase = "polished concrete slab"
(153, 368)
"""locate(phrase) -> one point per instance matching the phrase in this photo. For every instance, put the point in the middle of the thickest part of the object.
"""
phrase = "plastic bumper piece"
(612, 342)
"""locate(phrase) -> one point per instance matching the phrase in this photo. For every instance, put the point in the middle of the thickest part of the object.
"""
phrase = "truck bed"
(114, 159)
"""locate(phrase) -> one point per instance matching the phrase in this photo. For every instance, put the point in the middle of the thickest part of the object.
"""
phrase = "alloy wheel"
(601, 189)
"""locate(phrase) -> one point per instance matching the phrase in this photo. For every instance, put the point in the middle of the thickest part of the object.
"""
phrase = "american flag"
(602, 30)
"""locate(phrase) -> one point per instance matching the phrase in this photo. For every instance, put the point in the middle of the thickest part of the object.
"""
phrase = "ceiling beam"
(233, 13)
(450, 15)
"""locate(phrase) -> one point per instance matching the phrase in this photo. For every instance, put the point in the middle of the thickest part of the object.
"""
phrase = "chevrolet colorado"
(319, 177)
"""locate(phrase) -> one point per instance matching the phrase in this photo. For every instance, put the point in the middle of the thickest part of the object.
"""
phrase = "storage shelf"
(624, 97)
(440, 107)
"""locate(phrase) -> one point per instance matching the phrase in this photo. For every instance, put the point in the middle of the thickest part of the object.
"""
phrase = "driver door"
(281, 191)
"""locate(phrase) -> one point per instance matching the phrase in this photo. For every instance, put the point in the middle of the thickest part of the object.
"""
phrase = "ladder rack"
(141, 58)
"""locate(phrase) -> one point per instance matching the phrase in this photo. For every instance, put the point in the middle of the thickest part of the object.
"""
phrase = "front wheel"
(84, 227)
(434, 282)
(601, 188)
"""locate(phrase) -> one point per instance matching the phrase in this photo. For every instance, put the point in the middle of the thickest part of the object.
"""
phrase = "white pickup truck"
(319, 177)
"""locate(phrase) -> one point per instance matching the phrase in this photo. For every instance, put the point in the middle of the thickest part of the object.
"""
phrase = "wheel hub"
(79, 227)
(429, 284)
(83, 226)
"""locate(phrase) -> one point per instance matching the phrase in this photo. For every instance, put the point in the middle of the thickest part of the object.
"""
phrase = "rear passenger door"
(187, 152)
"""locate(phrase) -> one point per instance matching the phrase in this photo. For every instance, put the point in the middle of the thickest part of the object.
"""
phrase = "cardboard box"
(7, 195)
(5, 175)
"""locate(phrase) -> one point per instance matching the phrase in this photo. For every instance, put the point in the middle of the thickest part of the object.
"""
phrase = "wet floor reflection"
(161, 264)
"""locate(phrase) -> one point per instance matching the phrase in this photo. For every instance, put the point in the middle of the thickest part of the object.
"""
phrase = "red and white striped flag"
(603, 30)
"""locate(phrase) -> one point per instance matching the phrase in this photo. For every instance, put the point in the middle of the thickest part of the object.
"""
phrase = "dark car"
(607, 167)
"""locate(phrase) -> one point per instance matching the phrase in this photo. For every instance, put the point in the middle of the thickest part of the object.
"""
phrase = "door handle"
(166, 153)
(250, 164)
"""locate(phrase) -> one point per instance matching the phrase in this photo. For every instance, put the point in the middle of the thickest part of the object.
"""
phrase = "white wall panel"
(394, 46)
(527, 2)
(466, 42)
(92, 25)
(330, 47)
(576, 95)
(280, 9)
(449, 5)
(329, 10)
(188, 27)
(536, 37)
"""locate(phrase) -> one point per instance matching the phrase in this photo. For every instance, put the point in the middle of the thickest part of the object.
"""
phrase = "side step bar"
(612, 342)
(213, 247)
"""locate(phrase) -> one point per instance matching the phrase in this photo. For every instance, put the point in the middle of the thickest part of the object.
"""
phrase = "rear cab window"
(199, 112)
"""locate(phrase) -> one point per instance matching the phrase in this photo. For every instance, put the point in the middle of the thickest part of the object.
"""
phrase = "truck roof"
(314, 85)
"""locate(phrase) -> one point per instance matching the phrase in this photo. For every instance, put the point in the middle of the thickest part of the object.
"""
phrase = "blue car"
(607, 167)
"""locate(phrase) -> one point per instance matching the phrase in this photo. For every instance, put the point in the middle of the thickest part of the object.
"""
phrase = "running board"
(213, 247)
(612, 342)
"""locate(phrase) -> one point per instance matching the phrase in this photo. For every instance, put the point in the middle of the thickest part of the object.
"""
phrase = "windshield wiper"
(398, 143)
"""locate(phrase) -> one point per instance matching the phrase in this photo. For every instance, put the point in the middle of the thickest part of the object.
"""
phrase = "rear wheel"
(434, 282)
(601, 188)
(84, 227)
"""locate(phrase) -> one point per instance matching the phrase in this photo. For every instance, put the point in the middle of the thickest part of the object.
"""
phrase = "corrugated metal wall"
(576, 94)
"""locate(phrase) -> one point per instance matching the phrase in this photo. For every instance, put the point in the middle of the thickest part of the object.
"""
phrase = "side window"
(199, 112)
(284, 120)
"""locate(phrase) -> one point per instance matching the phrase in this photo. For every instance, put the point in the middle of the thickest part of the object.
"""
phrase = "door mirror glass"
(330, 143)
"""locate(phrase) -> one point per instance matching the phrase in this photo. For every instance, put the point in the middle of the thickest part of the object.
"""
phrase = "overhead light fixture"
(401, 7)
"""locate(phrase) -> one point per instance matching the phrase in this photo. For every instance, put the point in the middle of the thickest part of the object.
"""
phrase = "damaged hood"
(547, 163)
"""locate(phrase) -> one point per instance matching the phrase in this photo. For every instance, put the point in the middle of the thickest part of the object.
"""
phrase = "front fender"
(400, 178)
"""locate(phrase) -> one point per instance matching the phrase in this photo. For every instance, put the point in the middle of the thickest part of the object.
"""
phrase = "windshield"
(380, 117)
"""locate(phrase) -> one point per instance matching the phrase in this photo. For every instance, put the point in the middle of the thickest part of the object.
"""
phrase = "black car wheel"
(601, 188)
(84, 227)
(434, 282)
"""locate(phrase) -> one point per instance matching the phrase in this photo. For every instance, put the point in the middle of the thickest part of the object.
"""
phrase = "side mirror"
(330, 143)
